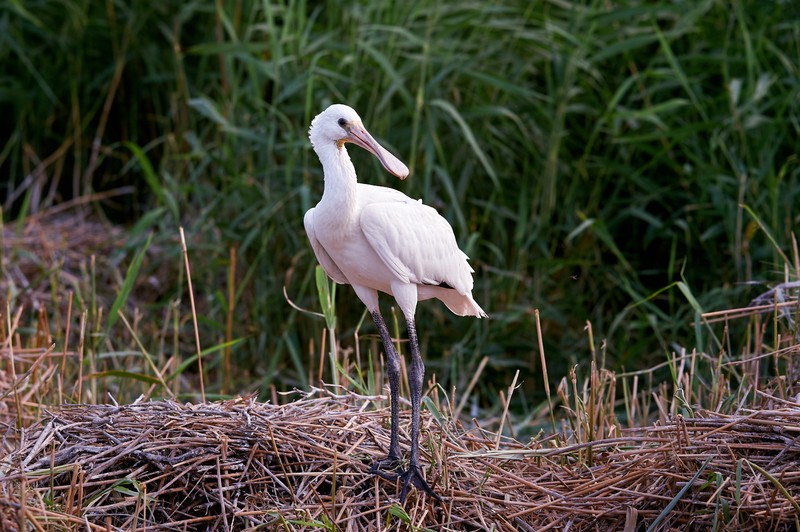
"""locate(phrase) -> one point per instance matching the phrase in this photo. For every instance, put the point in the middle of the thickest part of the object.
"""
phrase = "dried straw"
(52, 252)
(240, 464)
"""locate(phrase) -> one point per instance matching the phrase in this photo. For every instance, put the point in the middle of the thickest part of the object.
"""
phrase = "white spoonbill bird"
(377, 239)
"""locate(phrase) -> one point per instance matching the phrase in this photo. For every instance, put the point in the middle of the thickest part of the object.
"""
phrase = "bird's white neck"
(339, 195)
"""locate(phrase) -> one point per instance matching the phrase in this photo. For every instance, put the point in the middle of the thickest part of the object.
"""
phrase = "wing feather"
(416, 243)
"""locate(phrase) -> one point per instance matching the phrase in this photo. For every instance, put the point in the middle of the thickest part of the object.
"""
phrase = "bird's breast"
(356, 258)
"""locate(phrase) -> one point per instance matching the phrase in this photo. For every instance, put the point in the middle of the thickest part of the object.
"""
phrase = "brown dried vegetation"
(715, 447)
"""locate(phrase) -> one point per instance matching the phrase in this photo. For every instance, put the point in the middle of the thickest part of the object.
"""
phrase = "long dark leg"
(416, 377)
(392, 460)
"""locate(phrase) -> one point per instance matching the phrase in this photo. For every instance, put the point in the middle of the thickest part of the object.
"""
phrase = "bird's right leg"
(386, 467)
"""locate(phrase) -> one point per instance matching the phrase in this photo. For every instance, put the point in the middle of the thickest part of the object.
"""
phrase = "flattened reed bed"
(241, 463)
(52, 250)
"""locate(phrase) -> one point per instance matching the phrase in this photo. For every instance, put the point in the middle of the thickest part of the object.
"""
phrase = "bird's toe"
(413, 476)
(388, 468)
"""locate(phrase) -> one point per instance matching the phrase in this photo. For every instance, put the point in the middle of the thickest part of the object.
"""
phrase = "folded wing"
(416, 243)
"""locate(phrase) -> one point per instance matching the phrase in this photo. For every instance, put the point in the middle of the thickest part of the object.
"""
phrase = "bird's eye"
(342, 122)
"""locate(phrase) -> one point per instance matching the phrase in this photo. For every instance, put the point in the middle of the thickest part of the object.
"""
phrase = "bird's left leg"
(406, 296)
(416, 377)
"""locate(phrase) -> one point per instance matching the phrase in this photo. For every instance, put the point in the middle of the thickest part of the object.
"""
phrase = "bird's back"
(413, 240)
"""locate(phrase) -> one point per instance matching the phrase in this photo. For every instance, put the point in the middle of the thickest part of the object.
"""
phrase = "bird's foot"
(388, 468)
(413, 476)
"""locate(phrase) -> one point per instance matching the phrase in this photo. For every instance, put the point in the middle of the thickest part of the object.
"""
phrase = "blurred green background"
(627, 163)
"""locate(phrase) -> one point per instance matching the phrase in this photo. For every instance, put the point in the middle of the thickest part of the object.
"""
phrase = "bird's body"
(385, 237)
(377, 239)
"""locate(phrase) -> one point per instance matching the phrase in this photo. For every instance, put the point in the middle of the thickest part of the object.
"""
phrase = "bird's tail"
(462, 304)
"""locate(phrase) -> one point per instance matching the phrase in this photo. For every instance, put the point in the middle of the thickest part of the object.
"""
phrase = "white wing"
(416, 243)
(323, 258)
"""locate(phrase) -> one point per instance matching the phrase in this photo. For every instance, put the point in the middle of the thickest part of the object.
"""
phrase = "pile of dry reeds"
(239, 464)
(53, 251)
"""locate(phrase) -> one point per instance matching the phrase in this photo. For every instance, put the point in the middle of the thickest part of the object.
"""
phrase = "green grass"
(588, 155)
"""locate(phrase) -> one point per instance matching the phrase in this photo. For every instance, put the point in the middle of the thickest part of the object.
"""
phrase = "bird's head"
(339, 124)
